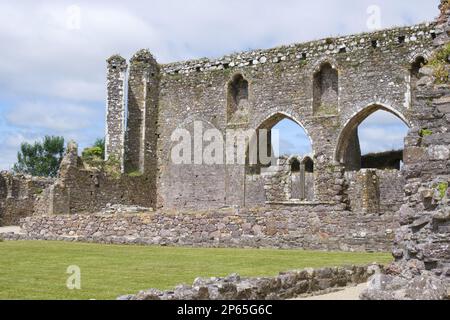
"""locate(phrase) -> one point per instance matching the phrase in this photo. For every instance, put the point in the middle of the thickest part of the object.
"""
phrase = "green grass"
(37, 270)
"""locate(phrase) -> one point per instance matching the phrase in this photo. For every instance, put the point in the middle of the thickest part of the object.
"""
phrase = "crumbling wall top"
(383, 40)
(143, 55)
(117, 61)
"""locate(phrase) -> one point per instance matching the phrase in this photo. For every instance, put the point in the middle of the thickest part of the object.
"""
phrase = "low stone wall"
(314, 228)
(20, 196)
(373, 190)
(286, 285)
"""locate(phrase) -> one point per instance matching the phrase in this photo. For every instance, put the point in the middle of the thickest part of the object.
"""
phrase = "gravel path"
(10, 229)
(349, 293)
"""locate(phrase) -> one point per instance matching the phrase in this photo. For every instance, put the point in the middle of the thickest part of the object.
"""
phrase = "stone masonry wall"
(79, 189)
(422, 244)
(307, 227)
(373, 71)
(375, 190)
(356, 73)
(115, 115)
(19, 196)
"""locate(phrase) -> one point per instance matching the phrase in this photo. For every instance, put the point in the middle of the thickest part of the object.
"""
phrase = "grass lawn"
(37, 270)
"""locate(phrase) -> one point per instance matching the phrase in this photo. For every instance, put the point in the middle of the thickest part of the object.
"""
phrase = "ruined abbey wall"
(328, 87)
(19, 196)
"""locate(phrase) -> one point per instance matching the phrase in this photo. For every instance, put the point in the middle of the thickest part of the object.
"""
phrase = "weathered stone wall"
(422, 244)
(307, 227)
(80, 189)
(373, 73)
(116, 110)
(282, 184)
(19, 196)
(287, 285)
(375, 191)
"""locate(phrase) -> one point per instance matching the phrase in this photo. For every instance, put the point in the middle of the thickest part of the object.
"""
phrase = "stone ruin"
(333, 199)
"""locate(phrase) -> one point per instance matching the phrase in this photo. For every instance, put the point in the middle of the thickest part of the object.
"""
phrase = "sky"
(293, 139)
(52, 61)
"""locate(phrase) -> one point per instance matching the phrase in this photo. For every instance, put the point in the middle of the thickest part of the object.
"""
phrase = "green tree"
(40, 159)
(96, 153)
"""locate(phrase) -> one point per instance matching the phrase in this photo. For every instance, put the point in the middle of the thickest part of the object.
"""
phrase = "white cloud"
(58, 117)
(45, 57)
(62, 71)
(382, 131)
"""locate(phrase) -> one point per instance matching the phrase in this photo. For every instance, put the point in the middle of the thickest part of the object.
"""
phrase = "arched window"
(286, 141)
(309, 165)
(237, 98)
(295, 165)
(373, 139)
(326, 90)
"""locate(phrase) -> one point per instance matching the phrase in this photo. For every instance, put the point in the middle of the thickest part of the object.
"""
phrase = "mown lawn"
(37, 270)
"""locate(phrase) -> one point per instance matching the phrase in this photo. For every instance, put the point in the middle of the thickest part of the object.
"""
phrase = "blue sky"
(52, 66)
(294, 140)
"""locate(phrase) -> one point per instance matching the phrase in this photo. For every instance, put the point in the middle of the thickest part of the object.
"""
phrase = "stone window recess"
(416, 66)
(302, 179)
(237, 100)
(326, 90)
(295, 166)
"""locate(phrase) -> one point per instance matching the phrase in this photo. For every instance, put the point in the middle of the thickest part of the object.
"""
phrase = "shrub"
(439, 62)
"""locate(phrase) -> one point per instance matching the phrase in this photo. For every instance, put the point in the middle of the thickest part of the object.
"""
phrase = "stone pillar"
(143, 94)
(352, 156)
(370, 191)
(302, 182)
(115, 112)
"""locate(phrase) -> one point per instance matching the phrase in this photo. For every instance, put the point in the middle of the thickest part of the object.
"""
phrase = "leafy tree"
(96, 153)
(100, 144)
(40, 158)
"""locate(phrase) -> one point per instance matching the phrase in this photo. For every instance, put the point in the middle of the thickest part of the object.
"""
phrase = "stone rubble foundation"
(287, 285)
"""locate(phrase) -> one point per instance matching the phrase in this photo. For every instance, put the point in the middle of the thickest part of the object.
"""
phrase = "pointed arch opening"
(373, 139)
(286, 177)
(285, 137)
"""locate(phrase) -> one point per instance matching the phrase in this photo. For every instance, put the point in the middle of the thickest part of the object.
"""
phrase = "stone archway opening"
(289, 177)
(373, 139)
(286, 137)
(371, 149)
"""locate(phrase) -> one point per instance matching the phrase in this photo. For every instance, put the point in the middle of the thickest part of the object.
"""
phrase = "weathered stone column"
(115, 112)
(143, 96)
(352, 156)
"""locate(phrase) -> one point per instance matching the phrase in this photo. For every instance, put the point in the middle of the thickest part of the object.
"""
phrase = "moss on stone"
(425, 132)
(112, 167)
(439, 62)
(134, 174)
(442, 188)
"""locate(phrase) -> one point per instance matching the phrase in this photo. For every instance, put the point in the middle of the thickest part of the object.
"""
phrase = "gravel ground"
(349, 293)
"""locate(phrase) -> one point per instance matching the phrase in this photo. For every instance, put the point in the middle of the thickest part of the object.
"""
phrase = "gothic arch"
(345, 137)
(274, 118)
(267, 124)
